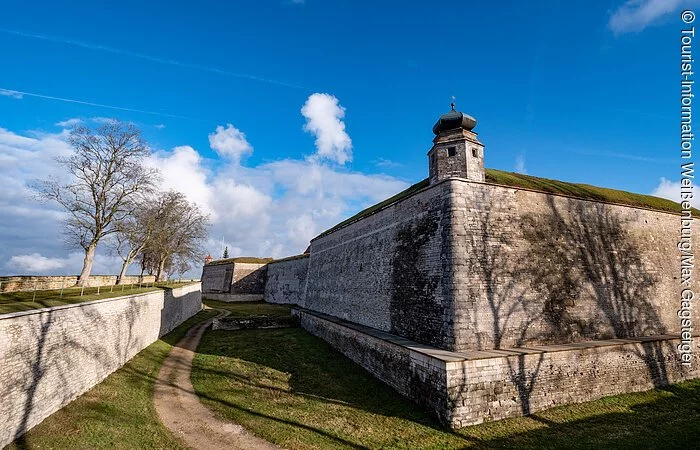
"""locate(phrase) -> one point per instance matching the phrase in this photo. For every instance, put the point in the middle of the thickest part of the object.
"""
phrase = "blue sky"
(584, 92)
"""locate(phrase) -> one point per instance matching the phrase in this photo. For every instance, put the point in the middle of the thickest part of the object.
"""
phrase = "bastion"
(483, 295)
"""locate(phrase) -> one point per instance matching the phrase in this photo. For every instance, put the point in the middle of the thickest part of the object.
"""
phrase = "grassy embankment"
(117, 413)
(293, 389)
(28, 300)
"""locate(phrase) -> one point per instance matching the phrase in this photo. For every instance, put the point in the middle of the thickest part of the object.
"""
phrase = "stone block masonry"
(50, 356)
(286, 280)
(390, 270)
(234, 281)
(467, 388)
(29, 283)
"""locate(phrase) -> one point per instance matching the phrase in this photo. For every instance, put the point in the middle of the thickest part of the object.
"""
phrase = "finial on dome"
(453, 103)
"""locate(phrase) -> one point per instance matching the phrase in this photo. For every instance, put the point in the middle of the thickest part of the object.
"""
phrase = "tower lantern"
(456, 150)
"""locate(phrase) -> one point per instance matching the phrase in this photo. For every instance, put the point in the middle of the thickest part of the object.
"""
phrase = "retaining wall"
(467, 388)
(286, 280)
(29, 283)
(50, 356)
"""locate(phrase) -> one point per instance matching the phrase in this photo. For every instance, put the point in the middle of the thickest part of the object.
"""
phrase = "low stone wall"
(471, 387)
(50, 356)
(30, 283)
(286, 280)
(238, 323)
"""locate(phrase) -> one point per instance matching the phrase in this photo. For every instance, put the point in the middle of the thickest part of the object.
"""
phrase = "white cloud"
(520, 164)
(636, 15)
(70, 123)
(230, 142)
(324, 117)
(383, 162)
(35, 263)
(672, 191)
(159, 126)
(13, 94)
(272, 209)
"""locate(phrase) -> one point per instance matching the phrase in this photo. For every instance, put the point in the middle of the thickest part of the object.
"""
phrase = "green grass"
(28, 300)
(511, 179)
(293, 389)
(248, 309)
(117, 413)
(584, 191)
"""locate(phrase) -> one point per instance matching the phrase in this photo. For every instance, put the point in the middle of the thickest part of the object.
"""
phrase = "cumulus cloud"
(271, 209)
(35, 263)
(324, 116)
(672, 191)
(636, 15)
(230, 142)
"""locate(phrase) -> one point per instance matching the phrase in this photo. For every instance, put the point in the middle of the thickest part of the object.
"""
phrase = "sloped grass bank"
(29, 300)
(293, 389)
(117, 413)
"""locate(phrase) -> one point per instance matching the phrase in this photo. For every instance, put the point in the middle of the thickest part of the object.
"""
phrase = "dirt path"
(180, 410)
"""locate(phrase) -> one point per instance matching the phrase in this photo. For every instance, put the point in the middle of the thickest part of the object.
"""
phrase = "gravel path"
(180, 410)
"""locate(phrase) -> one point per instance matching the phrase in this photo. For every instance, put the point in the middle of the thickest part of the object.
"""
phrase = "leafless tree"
(107, 176)
(134, 232)
(179, 235)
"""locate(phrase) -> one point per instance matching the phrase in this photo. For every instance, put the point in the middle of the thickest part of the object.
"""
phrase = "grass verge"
(28, 300)
(117, 413)
(293, 389)
(248, 309)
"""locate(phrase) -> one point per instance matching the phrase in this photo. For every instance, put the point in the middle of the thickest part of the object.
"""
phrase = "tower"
(456, 150)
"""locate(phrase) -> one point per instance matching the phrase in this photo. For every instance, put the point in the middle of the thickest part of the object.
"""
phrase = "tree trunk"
(161, 265)
(122, 274)
(87, 265)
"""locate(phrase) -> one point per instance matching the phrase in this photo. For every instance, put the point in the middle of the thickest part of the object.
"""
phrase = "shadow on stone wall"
(571, 254)
(250, 283)
(415, 311)
(49, 359)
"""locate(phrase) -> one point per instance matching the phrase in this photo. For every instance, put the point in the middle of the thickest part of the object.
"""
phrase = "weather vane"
(453, 103)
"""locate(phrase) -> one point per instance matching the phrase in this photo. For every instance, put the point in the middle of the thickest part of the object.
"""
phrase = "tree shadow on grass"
(666, 421)
(303, 366)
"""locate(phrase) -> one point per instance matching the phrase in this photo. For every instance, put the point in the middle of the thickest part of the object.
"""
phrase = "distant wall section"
(234, 280)
(286, 280)
(29, 283)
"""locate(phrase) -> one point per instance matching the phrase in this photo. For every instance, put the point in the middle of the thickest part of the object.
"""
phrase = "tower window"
(475, 152)
(451, 151)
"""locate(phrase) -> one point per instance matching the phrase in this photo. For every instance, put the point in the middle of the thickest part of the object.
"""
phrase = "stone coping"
(470, 355)
(29, 312)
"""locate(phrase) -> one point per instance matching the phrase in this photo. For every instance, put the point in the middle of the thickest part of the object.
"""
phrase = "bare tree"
(107, 176)
(178, 237)
(133, 233)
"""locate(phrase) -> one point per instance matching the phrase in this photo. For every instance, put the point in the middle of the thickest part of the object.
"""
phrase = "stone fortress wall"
(32, 282)
(51, 356)
(234, 281)
(483, 301)
(286, 280)
(528, 299)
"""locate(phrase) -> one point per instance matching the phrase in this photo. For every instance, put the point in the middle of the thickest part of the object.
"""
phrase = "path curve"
(179, 407)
